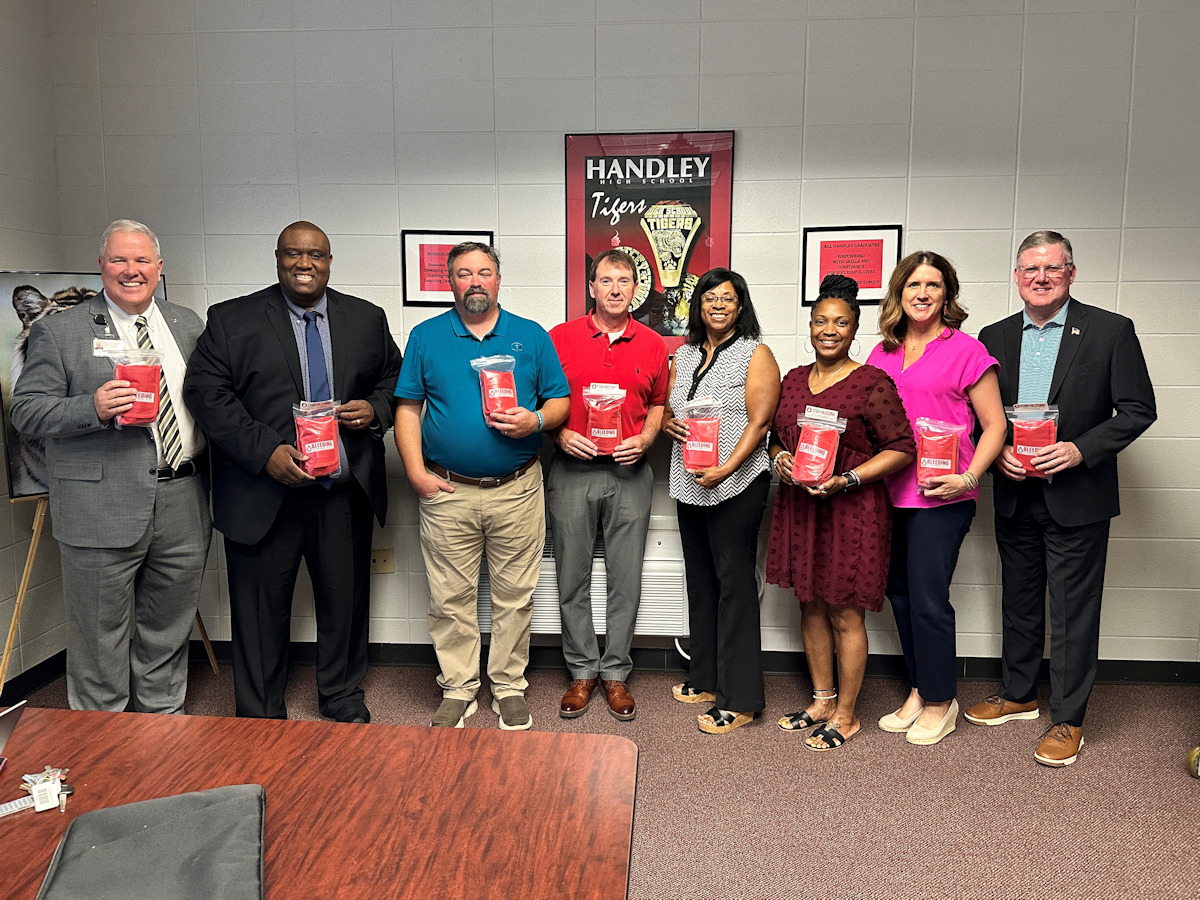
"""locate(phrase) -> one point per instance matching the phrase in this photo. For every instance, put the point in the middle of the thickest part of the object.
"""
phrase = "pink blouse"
(935, 387)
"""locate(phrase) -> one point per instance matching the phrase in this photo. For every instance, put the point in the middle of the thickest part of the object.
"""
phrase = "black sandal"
(724, 721)
(830, 735)
(798, 721)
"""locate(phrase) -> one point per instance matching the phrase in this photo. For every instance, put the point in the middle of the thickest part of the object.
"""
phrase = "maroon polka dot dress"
(838, 549)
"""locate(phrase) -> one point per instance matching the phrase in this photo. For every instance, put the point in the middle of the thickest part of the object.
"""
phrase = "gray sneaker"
(513, 712)
(450, 713)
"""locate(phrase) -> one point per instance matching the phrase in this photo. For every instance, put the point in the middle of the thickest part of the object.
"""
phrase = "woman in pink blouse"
(946, 375)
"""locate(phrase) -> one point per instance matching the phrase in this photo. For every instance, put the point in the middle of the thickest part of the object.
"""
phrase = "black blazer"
(1105, 400)
(244, 377)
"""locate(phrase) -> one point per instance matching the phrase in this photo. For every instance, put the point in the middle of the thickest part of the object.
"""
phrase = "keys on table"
(47, 790)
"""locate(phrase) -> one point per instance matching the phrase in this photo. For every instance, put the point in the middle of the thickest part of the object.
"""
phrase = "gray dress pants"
(581, 495)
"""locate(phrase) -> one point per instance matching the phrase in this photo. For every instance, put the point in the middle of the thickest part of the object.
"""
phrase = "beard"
(477, 303)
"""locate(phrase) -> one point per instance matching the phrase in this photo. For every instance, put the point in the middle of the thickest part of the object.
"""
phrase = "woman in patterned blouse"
(720, 508)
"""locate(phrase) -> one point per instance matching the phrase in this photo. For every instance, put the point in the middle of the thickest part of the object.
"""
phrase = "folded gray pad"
(206, 845)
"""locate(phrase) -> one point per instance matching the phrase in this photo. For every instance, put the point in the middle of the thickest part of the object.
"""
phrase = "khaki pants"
(509, 524)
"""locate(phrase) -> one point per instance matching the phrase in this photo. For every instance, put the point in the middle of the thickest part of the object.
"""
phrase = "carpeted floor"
(752, 814)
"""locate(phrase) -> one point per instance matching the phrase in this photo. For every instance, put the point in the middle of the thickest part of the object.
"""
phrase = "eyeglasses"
(607, 283)
(1052, 272)
(709, 299)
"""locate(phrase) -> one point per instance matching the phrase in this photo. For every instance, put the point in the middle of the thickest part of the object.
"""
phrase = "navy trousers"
(925, 545)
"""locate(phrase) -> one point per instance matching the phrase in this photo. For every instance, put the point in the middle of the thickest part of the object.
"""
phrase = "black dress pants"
(331, 531)
(1036, 552)
(720, 548)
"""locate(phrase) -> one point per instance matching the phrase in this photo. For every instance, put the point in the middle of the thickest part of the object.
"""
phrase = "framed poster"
(34, 295)
(423, 264)
(866, 253)
(666, 200)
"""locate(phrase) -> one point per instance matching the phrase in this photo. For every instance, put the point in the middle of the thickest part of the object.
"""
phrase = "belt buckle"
(490, 481)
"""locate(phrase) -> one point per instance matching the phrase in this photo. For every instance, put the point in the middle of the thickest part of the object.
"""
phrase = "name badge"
(820, 414)
(104, 346)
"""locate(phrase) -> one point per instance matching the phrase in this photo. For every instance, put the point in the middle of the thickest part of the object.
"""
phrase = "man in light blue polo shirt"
(479, 481)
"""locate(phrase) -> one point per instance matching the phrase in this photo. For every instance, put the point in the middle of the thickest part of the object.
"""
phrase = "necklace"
(835, 371)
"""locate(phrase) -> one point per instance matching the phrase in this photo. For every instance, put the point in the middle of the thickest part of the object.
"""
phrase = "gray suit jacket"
(102, 477)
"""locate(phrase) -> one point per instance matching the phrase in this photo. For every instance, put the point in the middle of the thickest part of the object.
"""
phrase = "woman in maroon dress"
(831, 543)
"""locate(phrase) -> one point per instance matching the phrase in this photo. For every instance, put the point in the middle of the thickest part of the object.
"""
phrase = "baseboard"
(21, 686)
(665, 658)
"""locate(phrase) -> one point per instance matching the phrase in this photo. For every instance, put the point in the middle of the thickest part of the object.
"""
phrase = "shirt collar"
(130, 319)
(460, 328)
(1059, 320)
(596, 330)
(322, 307)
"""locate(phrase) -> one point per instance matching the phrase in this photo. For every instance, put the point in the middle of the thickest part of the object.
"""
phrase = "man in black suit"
(1054, 531)
(257, 357)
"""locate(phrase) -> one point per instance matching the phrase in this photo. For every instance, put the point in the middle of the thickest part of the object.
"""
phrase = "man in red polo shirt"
(584, 488)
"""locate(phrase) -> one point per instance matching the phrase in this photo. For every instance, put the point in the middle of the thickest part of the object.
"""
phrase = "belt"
(166, 473)
(489, 482)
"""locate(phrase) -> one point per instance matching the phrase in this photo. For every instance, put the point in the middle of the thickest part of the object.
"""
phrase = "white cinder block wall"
(971, 122)
(29, 239)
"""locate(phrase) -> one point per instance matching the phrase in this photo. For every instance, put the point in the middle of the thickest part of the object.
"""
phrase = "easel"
(39, 519)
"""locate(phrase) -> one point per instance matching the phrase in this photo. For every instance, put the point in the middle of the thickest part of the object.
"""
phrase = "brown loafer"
(575, 700)
(620, 701)
(1060, 745)
(996, 710)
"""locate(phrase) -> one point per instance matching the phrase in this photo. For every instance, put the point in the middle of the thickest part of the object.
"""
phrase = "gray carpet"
(752, 814)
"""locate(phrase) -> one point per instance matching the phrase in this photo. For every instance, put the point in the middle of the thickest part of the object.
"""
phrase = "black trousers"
(1035, 553)
(720, 547)
(925, 545)
(331, 531)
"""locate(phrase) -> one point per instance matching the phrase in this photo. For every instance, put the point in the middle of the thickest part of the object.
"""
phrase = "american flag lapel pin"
(1074, 331)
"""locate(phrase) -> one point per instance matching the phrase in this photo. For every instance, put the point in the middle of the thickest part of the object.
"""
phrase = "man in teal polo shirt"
(479, 481)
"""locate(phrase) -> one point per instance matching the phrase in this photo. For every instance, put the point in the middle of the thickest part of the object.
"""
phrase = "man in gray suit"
(127, 506)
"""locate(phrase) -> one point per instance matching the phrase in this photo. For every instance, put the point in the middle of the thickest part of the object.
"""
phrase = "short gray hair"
(1041, 238)
(131, 226)
(468, 247)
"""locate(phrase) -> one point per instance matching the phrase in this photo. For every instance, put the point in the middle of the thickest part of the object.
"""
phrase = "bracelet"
(853, 481)
(775, 458)
(541, 420)
(971, 481)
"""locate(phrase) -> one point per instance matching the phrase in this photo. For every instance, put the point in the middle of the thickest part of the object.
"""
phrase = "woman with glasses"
(945, 375)
(720, 508)
(829, 541)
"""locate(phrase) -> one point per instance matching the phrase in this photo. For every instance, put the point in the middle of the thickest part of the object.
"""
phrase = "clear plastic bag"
(143, 370)
(497, 386)
(702, 449)
(317, 437)
(1034, 425)
(816, 450)
(604, 402)
(937, 449)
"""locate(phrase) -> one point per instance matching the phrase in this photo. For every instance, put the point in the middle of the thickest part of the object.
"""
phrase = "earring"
(808, 347)
(854, 352)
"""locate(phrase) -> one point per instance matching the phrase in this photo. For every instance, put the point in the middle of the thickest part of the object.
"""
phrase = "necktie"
(168, 425)
(318, 375)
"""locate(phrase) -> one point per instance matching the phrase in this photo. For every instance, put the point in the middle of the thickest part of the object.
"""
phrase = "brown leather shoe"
(1060, 745)
(620, 701)
(996, 710)
(575, 700)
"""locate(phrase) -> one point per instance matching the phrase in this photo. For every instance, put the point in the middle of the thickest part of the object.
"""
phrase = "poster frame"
(716, 232)
(810, 255)
(410, 275)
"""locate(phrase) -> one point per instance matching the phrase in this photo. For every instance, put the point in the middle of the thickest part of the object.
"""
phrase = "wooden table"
(365, 811)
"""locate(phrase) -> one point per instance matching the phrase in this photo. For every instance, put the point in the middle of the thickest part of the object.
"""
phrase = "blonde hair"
(893, 324)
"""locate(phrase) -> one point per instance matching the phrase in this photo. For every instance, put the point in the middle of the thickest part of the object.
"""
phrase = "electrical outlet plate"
(381, 561)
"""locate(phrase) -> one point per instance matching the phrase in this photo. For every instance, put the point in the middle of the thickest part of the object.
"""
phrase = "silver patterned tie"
(168, 426)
